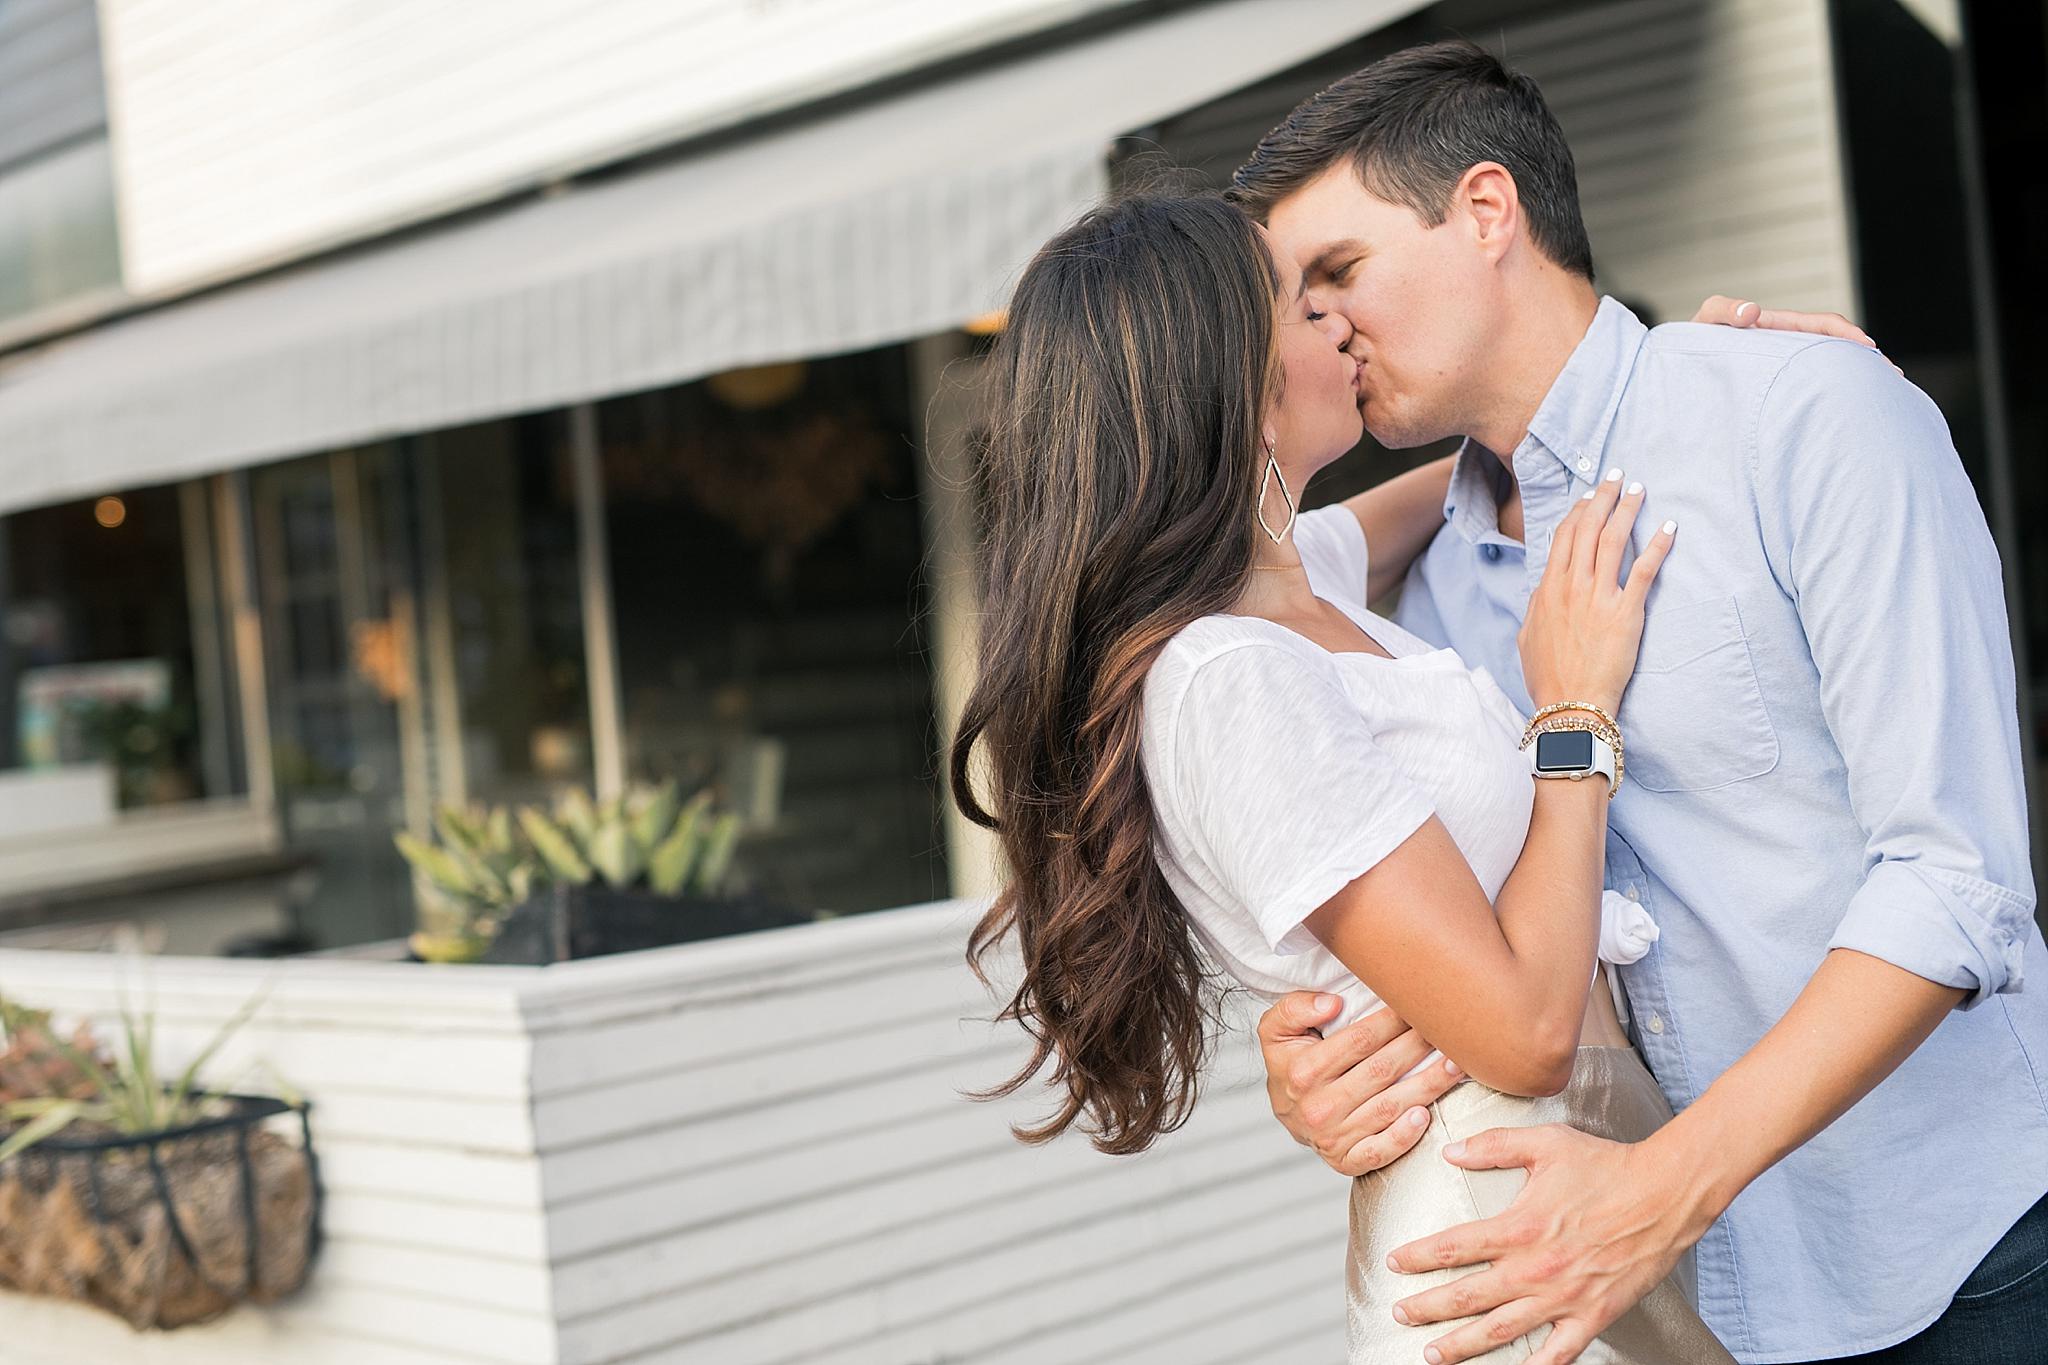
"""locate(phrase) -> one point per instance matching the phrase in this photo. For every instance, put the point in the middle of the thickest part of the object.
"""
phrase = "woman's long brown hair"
(1124, 453)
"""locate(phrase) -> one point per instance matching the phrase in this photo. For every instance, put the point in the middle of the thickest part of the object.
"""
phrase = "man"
(1823, 807)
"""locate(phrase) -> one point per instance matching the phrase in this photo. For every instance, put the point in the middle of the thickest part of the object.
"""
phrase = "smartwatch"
(1573, 754)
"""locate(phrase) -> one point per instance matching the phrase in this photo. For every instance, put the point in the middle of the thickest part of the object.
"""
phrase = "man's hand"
(1595, 1229)
(1742, 313)
(1344, 1095)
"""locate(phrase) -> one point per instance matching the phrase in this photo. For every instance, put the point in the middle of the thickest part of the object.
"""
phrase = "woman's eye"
(1314, 316)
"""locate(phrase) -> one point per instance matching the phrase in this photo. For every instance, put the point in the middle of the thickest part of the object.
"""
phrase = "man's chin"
(1392, 431)
(1393, 436)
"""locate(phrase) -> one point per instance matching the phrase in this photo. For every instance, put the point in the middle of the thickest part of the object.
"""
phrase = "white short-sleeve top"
(1280, 771)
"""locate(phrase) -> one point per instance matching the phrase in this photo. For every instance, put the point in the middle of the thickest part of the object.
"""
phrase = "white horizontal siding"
(1708, 150)
(378, 113)
(437, 1246)
(752, 1150)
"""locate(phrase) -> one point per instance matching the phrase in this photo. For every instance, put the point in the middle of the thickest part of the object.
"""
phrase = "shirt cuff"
(1950, 928)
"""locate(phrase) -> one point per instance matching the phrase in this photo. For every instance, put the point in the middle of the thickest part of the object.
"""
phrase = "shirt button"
(1584, 464)
(1656, 1023)
(1629, 891)
(1492, 552)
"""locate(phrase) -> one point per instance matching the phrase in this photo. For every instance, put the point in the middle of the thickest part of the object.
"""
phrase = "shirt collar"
(1578, 412)
(1571, 424)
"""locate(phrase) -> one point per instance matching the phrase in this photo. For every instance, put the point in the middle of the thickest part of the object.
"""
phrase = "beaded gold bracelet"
(1558, 706)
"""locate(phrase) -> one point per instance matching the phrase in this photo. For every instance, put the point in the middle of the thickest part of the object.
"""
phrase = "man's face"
(1420, 301)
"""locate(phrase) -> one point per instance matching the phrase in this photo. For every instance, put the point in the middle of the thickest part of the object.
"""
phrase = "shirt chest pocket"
(1694, 715)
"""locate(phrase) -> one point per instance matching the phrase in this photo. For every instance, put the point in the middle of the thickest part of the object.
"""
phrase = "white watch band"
(1603, 762)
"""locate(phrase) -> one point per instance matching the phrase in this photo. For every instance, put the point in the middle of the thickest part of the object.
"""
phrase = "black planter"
(568, 922)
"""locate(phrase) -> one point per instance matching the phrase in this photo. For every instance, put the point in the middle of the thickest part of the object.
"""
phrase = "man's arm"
(1874, 531)
(1400, 517)
(1601, 1223)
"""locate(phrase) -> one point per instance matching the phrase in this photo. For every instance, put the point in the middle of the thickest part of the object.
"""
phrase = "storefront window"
(107, 664)
(764, 555)
(422, 623)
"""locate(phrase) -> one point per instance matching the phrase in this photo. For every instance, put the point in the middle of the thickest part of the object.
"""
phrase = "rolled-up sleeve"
(1874, 529)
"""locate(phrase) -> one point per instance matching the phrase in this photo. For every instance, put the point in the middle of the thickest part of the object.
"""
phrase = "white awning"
(888, 221)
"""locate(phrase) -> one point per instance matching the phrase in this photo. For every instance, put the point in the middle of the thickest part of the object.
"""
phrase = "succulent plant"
(488, 861)
(650, 836)
(480, 870)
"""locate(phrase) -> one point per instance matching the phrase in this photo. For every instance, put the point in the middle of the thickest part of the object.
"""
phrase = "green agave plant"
(650, 837)
(123, 1091)
(484, 866)
(480, 869)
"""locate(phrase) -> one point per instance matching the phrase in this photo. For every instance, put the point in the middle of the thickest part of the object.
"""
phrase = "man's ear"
(1492, 205)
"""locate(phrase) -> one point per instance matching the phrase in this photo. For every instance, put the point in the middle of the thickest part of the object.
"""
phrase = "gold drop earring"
(1272, 472)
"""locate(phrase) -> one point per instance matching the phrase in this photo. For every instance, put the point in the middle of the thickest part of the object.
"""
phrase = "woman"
(1202, 747)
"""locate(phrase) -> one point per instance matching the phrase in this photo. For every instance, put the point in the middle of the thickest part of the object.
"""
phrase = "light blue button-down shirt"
(1823, 752)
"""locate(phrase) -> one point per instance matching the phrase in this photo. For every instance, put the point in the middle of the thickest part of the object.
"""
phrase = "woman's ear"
(1268, 437)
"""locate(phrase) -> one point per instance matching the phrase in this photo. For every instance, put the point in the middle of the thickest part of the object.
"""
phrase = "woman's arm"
(1400, 516)
(1501, 988)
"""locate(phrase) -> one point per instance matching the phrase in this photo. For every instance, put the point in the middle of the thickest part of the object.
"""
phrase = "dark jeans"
(1998, 1317)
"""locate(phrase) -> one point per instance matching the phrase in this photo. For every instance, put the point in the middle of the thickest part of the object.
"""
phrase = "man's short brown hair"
(1411, 125)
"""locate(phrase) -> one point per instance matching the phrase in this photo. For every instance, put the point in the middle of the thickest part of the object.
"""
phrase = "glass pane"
(57, 233)
(97, 651)
(506, 619)
(330, 551)
(765, 545)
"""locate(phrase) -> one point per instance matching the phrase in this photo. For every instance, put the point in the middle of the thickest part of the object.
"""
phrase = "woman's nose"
(1338, 328)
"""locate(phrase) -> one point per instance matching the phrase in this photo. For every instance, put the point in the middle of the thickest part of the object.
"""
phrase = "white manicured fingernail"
(1634, 489)
(1670, 528)
(1451, 1068)
(1614, 476)
(1415, 1118)
(1586, 496)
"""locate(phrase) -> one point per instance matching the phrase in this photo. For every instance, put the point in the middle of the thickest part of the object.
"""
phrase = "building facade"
(396, 413)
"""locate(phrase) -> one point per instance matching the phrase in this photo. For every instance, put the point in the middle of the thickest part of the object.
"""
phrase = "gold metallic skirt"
(1611, 1095)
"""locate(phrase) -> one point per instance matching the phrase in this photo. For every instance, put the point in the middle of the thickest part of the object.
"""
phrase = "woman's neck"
(1279, 584)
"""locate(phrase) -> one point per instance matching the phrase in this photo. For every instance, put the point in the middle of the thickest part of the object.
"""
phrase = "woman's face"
(1315, 418)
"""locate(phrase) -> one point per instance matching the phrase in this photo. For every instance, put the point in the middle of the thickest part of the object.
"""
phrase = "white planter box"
(743, 1151)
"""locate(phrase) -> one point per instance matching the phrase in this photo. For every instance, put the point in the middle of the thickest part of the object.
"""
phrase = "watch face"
(1564, 751)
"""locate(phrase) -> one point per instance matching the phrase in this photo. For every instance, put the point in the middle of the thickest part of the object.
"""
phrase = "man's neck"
(1544, 326)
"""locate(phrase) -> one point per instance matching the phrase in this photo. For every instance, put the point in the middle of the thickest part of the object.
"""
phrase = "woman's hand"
(1584, 625)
